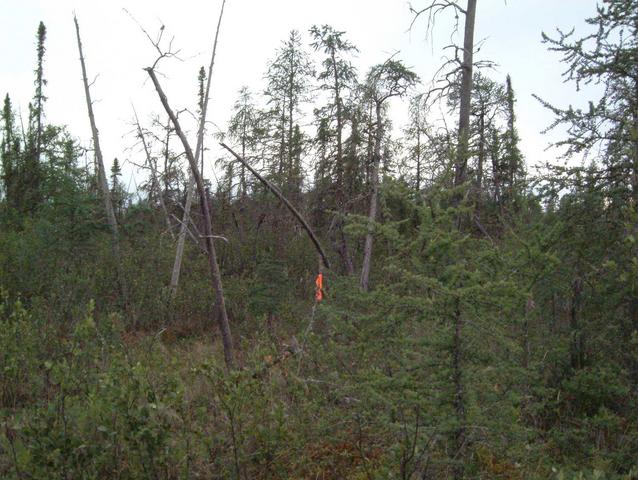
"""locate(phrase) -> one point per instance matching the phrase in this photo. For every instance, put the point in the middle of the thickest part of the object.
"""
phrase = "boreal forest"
(318, 288)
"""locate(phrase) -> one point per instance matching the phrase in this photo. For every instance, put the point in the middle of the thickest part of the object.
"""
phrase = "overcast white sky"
(251, 32)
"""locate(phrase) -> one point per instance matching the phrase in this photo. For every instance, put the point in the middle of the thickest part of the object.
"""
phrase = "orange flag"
(319, 287)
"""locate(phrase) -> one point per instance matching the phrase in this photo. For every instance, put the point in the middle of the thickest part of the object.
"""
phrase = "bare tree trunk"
(466, 95)
(481, 154)
(372, 214)
(216, 281)
(285, 201)
(190, 192)
(418, 151)
(104, 186)
(101, 173)
(181, 238)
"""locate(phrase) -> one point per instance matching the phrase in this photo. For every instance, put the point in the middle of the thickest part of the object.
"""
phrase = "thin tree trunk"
(190, 192)
(216, 281)
(101, 173)
(634, 176)
(466, 95)
(242, 181)
(480, 163)
(291, 110)
(372, 214)
(103, 184)
(339, 162)
(285, 201)
(418, 150)
(513, 161)
(181, 238)
(529, 307)
(481, 153)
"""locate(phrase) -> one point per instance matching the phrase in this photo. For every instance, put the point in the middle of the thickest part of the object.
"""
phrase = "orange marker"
(319, 287)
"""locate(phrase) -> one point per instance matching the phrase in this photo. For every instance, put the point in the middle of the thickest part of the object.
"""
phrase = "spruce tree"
(288, 77)
(246, 128)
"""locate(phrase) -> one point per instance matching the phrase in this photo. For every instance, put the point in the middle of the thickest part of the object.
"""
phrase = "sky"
(116, 52)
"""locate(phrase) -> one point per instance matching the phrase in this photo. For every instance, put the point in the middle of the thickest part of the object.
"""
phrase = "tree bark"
(190, 192)
(216, 281)
(466, 95)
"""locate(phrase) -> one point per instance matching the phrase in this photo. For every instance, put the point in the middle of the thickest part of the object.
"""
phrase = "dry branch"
(285, 201)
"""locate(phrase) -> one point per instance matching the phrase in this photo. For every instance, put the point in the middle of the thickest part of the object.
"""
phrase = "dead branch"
(290, 207)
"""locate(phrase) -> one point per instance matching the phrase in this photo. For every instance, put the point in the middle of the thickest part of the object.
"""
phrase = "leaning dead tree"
(224, 325)
(101, 173)
(103, 183)
(211, 254)
(285, 201)
(190, 193)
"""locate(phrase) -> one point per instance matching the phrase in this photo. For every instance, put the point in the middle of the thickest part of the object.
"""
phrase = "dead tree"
(103, 183)
(462, 69)
(224, 325)
(460, 169)
(101, 173)
(181, 239)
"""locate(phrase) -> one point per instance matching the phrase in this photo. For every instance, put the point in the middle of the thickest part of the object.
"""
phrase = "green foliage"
(499, 338)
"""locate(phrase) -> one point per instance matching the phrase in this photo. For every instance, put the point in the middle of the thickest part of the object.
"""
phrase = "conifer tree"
(416, 134)
(201, 91)
(39, 98)
(288, 77)
(245, 127)
(513, 157)
(32, 170)
(384, 81)
(607, 57)
(338, 77)
(117, 189)
(10, 152)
